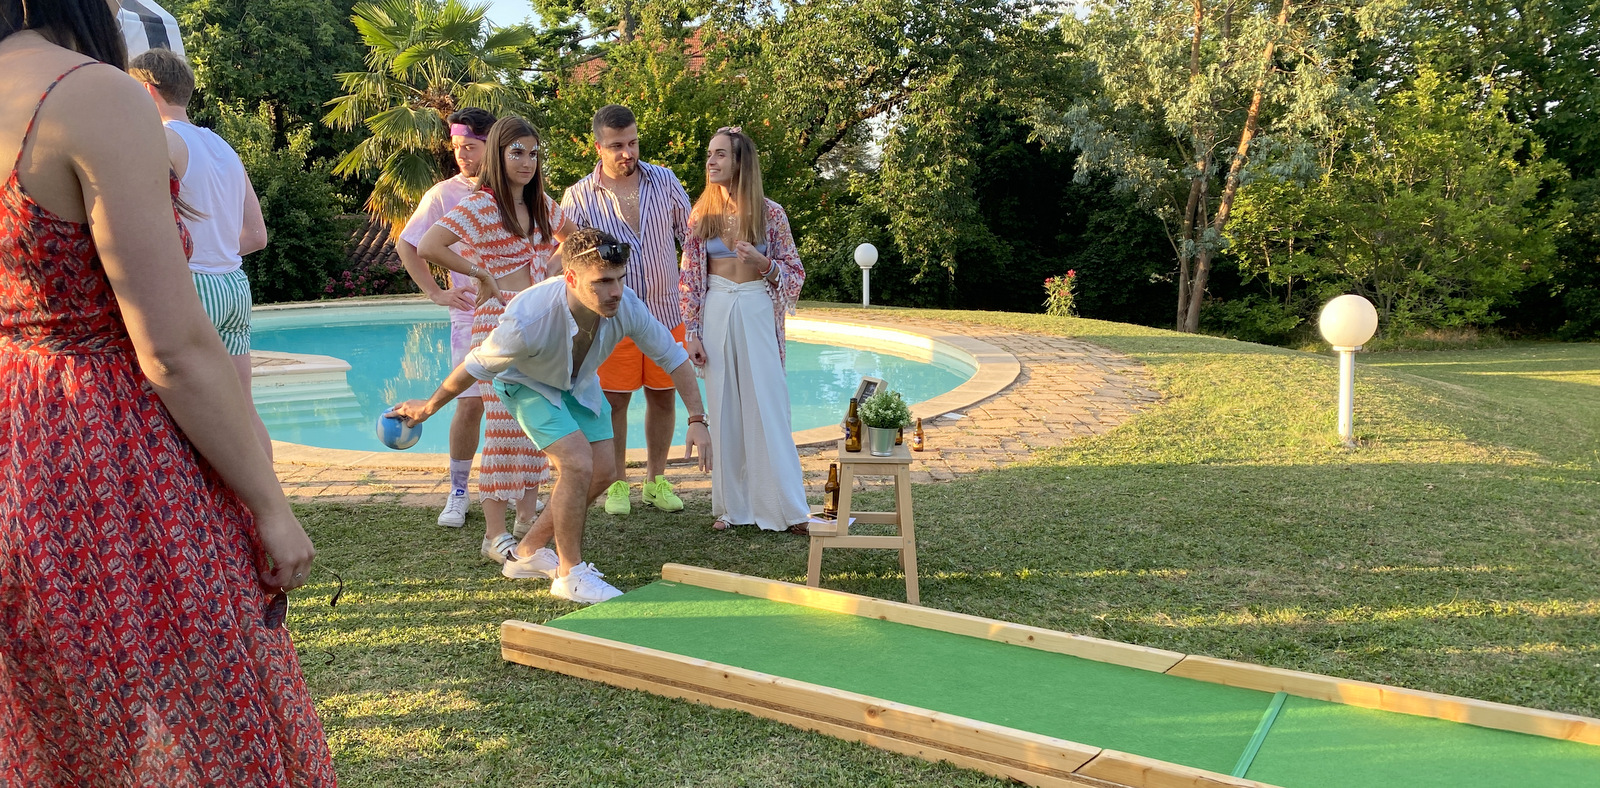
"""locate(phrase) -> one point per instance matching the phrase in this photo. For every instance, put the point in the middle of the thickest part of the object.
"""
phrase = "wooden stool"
(838, 534)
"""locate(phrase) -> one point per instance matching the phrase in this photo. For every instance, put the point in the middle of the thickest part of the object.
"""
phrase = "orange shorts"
(627, 368)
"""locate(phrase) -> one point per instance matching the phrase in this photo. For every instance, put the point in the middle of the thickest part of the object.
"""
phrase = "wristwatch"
(699, 418)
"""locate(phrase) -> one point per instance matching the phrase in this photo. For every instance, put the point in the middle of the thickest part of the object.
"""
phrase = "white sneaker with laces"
(455, 509)
(502, 549)
(582, 584)
(543, 563)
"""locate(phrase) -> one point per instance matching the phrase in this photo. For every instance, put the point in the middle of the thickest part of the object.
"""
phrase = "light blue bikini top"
(716, 248)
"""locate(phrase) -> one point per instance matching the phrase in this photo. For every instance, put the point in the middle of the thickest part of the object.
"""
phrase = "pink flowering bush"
(383, 277)
(1059, 293)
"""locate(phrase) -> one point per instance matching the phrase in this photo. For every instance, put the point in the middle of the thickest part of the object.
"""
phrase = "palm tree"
(426, 59)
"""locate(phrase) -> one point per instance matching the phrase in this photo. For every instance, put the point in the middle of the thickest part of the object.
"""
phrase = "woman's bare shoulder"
(99, 95)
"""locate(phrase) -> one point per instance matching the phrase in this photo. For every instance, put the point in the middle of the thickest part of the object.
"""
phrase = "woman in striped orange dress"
(504, 235)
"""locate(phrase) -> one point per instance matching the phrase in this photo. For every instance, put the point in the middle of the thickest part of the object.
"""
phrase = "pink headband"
(463, 130)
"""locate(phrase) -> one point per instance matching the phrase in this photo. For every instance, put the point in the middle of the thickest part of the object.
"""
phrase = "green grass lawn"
(1458, 550)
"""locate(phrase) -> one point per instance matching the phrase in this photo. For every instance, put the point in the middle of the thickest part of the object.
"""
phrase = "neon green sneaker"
(659, 494)
(617, 498)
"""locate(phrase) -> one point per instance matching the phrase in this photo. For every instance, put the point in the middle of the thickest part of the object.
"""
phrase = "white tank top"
(214, 185)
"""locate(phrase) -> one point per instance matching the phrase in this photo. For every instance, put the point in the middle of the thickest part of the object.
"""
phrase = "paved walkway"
(1067, 390)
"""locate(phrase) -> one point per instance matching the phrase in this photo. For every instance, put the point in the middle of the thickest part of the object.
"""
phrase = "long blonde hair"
(746, 218)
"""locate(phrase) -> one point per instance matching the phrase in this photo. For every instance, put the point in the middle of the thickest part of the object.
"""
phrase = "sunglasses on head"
(612, 253)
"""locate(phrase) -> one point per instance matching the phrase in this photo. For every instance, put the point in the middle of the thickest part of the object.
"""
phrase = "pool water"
(403, 352)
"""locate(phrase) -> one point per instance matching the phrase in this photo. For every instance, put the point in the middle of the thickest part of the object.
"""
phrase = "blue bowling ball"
(396, 434)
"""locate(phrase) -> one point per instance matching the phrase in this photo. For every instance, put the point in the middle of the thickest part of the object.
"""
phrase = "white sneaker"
(455, 509)
(581, 584)
(502, 549)
(543, 563)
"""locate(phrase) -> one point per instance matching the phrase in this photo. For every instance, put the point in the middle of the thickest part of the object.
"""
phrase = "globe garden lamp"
(1347, 323)
(866, 257)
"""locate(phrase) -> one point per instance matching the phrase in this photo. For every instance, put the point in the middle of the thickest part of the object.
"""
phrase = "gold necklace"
(623, 197)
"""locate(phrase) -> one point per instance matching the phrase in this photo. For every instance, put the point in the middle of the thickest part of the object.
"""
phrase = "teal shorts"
(226, 298)
(545, 423)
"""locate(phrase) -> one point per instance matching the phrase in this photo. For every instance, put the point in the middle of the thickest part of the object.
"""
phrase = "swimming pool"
(403, 352)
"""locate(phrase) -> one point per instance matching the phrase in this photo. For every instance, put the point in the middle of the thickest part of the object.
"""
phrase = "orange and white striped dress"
(511, 464)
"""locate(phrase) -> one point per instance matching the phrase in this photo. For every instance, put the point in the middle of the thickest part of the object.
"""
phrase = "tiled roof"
(370, 244)
(591, 70)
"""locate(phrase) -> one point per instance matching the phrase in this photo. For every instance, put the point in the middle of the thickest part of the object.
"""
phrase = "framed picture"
(867, 388)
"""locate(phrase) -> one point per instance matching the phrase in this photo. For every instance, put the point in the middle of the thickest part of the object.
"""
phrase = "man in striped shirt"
(644, 206)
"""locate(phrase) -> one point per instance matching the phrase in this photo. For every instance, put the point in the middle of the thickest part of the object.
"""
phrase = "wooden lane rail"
(1019, 755)
(1005, 752)
(1484, 714)
(933, 736)
(1126, 654)
(1367, 695)
(1121, 768)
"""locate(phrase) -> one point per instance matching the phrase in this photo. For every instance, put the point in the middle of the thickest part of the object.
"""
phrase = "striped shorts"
(226, 298)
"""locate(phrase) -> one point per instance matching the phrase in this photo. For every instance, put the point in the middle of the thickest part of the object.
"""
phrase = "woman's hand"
(288, 548)
(456, 298)
(697, 351)
(749, 256)
(487, 287)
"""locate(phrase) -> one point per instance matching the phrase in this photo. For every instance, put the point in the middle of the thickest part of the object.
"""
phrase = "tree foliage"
(1542, 55)
(306, 237)
(425, 60)
(283, 54)
(1433, 212)
(1190, 99)
(882, 99)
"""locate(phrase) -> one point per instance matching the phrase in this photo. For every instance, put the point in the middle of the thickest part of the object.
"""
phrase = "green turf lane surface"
(1312, 744)
(1152, 714)
(1315, 744)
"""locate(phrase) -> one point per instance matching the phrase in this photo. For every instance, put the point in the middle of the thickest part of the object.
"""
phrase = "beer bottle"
(900, 436)
(830, 493)
(852, 427)
(918, 443)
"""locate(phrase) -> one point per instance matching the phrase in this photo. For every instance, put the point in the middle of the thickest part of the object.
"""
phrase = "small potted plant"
(884, 415)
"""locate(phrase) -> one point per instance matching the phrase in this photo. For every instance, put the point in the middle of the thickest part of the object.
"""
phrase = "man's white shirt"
(532, 346)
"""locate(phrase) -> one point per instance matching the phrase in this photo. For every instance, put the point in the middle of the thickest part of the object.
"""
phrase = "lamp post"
(866, 257)
(1347, 322)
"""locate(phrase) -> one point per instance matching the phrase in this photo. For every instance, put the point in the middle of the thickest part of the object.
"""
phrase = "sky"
(509, 12)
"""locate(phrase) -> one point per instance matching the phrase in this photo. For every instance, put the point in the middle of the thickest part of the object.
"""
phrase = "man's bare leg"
(660, 416)
(583, 472)
(465, 427)
(618, 400)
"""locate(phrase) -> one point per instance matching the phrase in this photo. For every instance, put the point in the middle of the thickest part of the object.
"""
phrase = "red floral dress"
(132, 644)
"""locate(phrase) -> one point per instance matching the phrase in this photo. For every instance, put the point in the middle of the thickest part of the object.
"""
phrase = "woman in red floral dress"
(144, 541)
